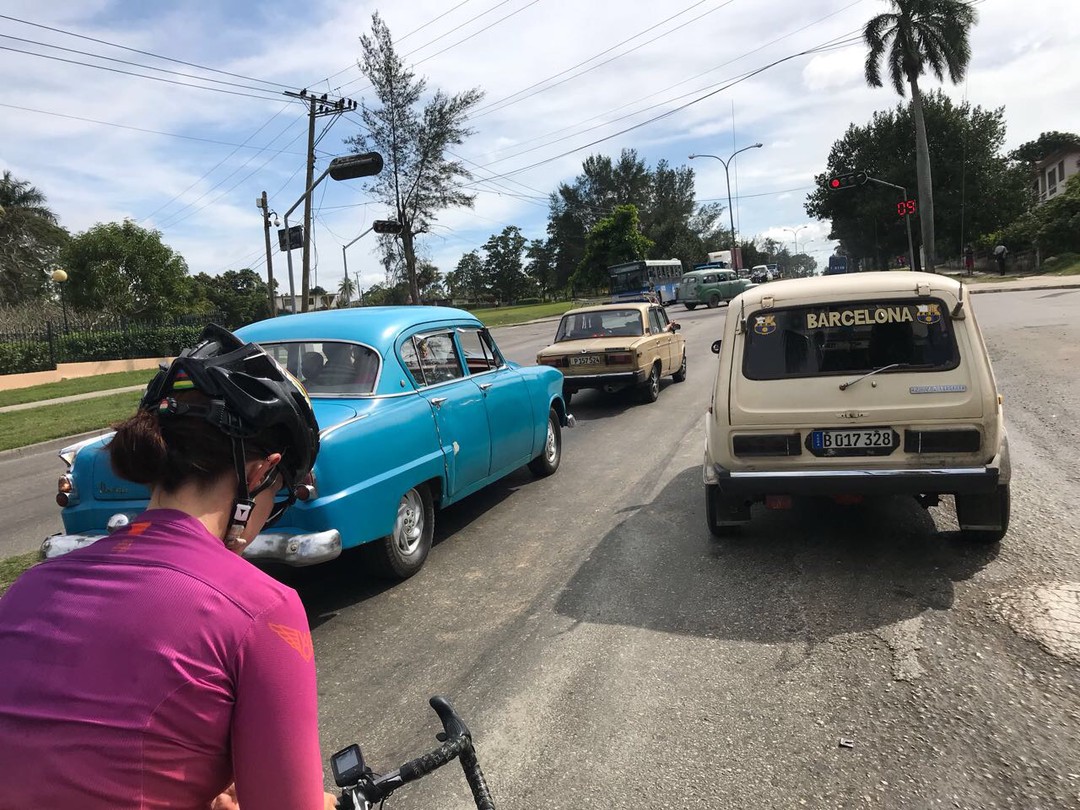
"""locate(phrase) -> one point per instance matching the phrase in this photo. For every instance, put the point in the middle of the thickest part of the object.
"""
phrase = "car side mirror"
(716, 346)
(675, 326)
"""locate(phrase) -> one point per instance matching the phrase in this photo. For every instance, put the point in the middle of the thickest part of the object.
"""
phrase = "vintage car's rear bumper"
(297, 549)
(983, 479)
(617, 380)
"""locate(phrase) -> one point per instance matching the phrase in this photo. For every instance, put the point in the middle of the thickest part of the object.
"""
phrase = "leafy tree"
(1045, 145)
(503, 264)
(613, 240)
(428, 281)
(979, 190)
(664, 197)
(420, 177)
(468, 279)
(920, 35)
(30, 240)
(540, 267)
(125, 270)
(240, 295)
(380, 295)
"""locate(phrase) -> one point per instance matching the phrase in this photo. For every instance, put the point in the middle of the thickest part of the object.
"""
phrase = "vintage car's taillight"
(786, 444)
(620, 359)
(307, 490)
(66, 492)
(558, 362)
(964, 440)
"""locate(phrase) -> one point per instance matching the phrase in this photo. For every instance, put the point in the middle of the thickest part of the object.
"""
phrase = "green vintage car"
(710, 287)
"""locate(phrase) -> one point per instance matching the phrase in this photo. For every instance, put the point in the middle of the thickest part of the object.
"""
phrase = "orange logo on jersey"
(134, 529)
(299, 640)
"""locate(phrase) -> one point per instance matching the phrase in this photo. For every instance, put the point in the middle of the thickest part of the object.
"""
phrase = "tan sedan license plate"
(876, 441)
(586, 360)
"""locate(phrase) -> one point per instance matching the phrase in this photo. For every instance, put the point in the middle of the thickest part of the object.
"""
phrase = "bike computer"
(348, 766)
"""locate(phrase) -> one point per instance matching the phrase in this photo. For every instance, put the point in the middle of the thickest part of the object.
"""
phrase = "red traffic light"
(834, 183)
(849, 180)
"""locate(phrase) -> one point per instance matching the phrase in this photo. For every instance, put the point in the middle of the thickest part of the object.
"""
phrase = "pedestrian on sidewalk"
(1000, 252)
(969, 260)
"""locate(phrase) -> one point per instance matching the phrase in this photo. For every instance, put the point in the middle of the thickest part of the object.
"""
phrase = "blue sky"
(641, 58)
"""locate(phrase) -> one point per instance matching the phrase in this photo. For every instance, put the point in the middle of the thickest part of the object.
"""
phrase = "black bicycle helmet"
(250, 394)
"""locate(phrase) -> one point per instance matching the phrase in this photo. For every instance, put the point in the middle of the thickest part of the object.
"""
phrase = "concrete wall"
(68, 371)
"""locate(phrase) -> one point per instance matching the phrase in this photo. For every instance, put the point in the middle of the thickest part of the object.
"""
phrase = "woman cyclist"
(157, 668)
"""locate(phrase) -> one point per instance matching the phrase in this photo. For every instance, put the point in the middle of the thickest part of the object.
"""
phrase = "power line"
(494, 106)
(144, 53)
(140, 75)
(138, 129)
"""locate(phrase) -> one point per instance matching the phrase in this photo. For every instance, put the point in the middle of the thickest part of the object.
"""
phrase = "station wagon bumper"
(296, 549)
(940, 481)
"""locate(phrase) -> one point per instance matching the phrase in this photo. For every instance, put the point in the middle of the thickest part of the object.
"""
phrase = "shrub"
(20, 358)
(526, 301)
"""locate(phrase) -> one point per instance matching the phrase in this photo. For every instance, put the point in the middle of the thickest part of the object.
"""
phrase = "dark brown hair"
(171, 451)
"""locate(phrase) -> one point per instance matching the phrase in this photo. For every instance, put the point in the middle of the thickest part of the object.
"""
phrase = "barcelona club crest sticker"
(765, 324)
(929, 314)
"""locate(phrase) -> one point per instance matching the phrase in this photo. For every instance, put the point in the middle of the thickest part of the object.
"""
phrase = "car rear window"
(329, 367)
(849, 338)
(600, 323)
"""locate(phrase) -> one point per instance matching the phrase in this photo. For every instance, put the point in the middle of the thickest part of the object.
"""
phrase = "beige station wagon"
(851, 385)
(616, 346)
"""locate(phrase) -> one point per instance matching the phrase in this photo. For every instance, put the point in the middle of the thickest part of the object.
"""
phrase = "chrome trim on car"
(884, 473)
(292, 549)
(67, 454)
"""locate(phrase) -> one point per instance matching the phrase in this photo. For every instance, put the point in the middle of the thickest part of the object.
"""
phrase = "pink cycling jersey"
(150, 670)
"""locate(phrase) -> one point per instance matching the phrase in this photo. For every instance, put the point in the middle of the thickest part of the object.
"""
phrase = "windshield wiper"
(844, 386)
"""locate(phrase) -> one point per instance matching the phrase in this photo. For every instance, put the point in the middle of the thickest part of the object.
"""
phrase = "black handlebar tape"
(423, 765)
(475, 777)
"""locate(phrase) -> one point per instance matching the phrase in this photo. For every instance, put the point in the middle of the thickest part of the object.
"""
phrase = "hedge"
(32, 352)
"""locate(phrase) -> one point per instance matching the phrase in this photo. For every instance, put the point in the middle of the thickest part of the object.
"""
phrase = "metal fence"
(82, 340)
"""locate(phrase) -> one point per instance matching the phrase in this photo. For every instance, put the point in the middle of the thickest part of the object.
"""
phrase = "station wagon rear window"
(329, 367)
(849, 338)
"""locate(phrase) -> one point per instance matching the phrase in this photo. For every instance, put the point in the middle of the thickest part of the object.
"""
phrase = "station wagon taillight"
(621, 359)
(557, 362)
(786, 444)
(965, 440)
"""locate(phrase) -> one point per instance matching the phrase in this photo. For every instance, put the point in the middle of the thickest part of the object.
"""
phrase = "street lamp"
(60, 276)
(795, 231)
(260, 202)
(731, 214)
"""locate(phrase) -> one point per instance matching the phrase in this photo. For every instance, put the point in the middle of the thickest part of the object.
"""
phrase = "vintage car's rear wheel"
(680, 375)
(548, 461)
(650, 389)
(970, 507)
(714, 301)
(691, 307)
(402, 553)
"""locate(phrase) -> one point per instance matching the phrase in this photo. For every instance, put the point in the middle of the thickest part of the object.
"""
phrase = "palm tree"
(346, 290)
(920, 35)
(29, 239)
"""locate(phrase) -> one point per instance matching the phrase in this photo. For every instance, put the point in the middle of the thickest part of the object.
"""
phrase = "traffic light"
(386, 226)
(352, 166)
(849, 180)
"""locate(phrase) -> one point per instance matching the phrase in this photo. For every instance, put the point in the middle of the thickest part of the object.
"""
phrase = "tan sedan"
(616, 346)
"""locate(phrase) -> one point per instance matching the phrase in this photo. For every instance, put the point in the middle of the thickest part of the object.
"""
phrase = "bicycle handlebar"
(457, 744)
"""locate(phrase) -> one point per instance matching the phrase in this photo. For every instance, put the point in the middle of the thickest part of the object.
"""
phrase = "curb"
(1034, 288)
(44, 403)
(51, 444)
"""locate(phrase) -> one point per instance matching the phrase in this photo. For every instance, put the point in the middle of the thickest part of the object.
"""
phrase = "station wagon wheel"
(650, 391)
(714, 301)
(680, 375)
(551, 454)
(402, 553)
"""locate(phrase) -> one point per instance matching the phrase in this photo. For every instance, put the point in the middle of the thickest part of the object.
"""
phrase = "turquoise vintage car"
(417, 409)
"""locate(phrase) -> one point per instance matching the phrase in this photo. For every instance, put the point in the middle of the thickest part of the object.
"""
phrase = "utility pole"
(266, 212)
(318, 106)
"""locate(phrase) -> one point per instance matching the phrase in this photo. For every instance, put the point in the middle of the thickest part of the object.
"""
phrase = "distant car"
(417, 409)
(710, 287)
(853, 385)
(761, 273)
(614, 347)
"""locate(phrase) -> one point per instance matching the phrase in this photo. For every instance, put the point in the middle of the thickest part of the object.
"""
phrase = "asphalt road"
(608, 653)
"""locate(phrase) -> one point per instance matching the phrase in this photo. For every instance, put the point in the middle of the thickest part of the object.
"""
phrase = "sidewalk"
(42, 403)
(1019, 284)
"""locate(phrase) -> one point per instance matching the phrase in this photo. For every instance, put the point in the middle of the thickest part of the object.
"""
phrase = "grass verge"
(79, 385)
(20, 428)
(505, 316)
(11, 568)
